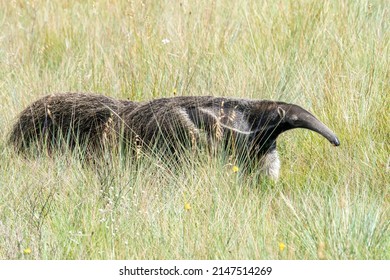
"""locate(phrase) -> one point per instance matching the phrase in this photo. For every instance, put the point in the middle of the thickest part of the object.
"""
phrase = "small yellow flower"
(235, 169)
(187, 206)
(282, 246)
(27, 251)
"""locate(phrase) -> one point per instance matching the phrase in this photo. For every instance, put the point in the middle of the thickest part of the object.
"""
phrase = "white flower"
(165, 41)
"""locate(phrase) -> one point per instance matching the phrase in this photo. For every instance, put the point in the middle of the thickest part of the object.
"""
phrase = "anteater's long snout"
(297, 117)
(310, 122)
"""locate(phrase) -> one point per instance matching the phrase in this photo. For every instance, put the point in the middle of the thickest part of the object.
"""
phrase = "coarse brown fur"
(246, 129)
(70, 118)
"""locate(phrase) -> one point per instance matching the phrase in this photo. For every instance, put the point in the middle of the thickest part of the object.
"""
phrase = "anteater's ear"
(281, 112)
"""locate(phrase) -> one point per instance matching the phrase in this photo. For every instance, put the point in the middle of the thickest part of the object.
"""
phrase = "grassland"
(331, 57)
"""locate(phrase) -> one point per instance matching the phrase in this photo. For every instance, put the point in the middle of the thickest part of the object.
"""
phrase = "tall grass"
(331, 57)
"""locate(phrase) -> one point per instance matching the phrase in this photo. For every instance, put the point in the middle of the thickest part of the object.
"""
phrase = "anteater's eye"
(293, 117)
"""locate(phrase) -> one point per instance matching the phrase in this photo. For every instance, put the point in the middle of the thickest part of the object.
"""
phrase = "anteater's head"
(273, 118)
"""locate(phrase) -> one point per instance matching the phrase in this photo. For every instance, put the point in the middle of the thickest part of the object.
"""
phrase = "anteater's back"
(73, 118)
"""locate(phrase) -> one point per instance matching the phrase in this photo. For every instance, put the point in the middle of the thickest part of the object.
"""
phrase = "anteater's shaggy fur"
(244, 128)
(73, 119)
